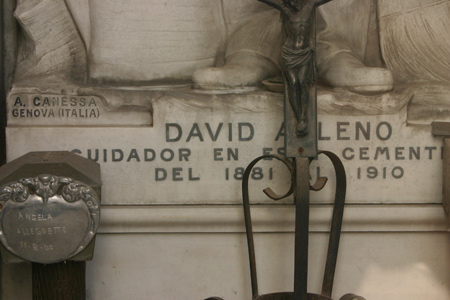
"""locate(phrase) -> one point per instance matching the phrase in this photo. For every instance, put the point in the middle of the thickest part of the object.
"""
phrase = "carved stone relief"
(364, 46)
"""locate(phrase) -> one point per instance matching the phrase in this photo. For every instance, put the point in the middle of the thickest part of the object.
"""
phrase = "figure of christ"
(298, 54)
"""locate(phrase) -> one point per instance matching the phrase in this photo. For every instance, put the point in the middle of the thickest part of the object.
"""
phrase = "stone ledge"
(68, 104)
(268, 219)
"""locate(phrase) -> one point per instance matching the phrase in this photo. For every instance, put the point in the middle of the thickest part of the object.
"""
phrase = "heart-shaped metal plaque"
(47, 219)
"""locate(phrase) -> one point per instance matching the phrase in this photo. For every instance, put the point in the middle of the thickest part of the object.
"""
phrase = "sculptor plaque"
(47, 219)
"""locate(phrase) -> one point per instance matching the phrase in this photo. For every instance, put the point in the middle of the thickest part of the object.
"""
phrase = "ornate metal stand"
(300, 106)
(50, 220)
(300, 122)
(299, 169)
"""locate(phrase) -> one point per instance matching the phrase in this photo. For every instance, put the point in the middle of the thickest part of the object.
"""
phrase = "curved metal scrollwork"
(247, 214)
(46, 186)
(317, 186)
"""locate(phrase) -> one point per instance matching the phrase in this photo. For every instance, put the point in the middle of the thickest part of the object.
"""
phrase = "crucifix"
(299, 72)
(300, 124)
(300, 121)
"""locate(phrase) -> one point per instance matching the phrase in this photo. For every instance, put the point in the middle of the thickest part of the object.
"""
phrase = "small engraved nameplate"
(47, 219)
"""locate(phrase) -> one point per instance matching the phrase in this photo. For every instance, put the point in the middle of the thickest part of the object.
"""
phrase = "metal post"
(8, 47)
(2, 100)
(301, 195)
(60, 281)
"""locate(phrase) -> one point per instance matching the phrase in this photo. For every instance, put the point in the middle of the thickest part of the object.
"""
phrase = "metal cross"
(300, 122)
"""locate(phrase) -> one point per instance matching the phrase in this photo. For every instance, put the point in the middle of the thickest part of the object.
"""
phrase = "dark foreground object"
(60, 281)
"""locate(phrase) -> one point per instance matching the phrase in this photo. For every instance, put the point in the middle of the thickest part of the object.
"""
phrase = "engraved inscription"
(41, 230)
(36, 247)
(34, 217)
(55, 106)
(53, 223)
(386, 159)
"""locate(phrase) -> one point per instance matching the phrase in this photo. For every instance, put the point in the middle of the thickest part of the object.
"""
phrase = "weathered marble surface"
(218, 124)
(87, 105)
(376, 264)
(206, 139)
(51, 46)
(406, 40)
(141, 40)
(74, 105)
(414, 39)
(390, 246)
(146, 41)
